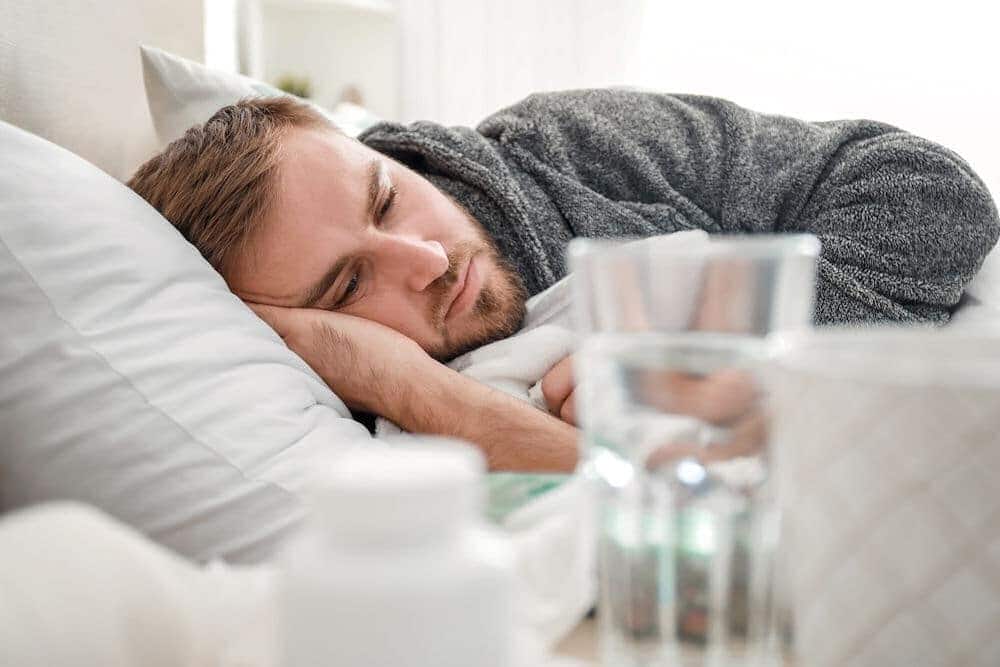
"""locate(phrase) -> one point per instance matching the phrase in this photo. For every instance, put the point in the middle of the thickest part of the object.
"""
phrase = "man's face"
(356, 232)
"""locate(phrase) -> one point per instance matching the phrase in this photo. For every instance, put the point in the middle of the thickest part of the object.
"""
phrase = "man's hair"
(217, 182)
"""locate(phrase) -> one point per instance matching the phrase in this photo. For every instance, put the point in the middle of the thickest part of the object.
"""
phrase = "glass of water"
(676, 331)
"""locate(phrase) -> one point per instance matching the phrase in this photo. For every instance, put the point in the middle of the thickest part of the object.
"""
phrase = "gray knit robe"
(904, 223)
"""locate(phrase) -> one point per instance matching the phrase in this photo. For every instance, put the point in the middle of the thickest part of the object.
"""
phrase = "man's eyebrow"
(323, 285)
(378, 184)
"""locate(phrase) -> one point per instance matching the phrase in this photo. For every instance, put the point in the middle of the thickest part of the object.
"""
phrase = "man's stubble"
(500, 307)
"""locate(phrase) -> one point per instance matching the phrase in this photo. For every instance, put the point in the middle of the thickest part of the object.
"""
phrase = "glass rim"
(736, 245)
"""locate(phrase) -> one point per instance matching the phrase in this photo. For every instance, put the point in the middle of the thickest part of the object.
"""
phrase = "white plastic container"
(397, 568)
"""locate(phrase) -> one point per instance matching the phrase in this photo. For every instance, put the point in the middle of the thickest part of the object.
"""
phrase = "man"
(375, 258)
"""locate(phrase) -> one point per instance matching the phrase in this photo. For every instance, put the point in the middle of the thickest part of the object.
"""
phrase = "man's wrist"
(407, 401)
(511, 433)
(400, 384)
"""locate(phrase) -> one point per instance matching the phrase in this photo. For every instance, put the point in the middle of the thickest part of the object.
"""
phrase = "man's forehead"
(306, 149)
(317, 167)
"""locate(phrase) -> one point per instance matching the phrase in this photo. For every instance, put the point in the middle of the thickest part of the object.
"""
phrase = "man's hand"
(727, 398)
(367, 364)
(558, 388)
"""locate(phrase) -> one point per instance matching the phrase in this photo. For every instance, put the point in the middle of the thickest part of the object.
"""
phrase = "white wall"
(931, 68)
(335, 45)
(928, 67)
(221, 35)
(70, 71)
(463, 59)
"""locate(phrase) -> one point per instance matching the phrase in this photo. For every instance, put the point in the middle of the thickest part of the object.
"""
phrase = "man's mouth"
(466, 289)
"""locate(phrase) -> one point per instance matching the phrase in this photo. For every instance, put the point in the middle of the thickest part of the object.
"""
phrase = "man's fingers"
(568, 410)
(721, 397)
(557, 385)
(718, 398)
(746, 437)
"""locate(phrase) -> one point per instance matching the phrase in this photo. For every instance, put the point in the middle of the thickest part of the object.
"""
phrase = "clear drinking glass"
(675, 331)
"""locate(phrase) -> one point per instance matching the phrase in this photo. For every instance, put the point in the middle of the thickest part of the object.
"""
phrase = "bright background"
(930, 68)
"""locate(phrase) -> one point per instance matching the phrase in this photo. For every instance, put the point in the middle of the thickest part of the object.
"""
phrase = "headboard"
(70, 71)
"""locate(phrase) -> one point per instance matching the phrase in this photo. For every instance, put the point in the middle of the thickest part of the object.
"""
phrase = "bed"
(207, 438)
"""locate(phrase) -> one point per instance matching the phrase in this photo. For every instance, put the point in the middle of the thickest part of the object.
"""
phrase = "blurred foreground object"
(398, 566)
(79, 588)
(888, 466)
(678, 329)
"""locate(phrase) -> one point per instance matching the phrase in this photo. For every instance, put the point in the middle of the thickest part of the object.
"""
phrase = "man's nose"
(419, 261)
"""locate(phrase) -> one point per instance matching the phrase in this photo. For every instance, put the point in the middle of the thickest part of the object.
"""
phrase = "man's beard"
(499, 308)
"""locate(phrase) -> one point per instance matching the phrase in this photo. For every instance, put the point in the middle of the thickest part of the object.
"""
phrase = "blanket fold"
(904, 222)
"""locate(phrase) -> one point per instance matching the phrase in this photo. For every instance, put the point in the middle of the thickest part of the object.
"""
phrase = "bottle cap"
(401, 494)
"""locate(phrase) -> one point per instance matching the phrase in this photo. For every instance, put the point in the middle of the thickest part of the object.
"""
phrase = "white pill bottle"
(396, 567)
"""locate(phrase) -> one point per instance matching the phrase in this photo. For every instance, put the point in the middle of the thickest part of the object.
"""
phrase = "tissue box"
(887, 458)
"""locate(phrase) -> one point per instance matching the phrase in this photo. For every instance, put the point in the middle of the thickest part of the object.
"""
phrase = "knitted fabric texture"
(904, 223)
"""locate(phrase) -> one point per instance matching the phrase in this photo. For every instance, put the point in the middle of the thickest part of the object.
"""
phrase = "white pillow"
(132, 379)
(182, 93)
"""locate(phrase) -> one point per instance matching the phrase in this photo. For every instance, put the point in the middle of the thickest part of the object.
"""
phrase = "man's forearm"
(511, 433)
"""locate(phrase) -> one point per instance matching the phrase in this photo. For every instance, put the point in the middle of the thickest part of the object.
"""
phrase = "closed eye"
(352, 286)
(390, 199)
(350, 289)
